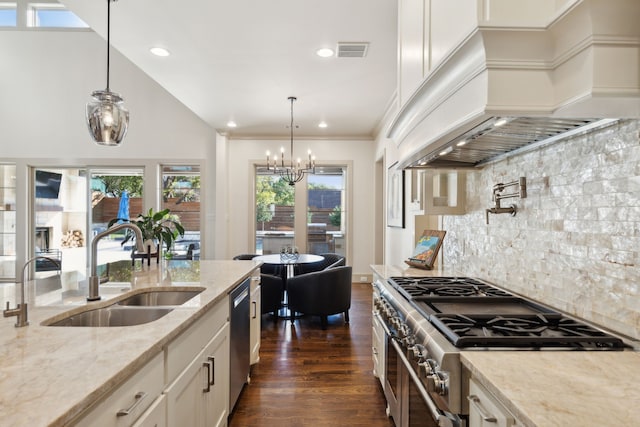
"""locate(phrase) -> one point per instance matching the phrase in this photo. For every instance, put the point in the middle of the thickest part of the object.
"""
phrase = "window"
(181, 194)
(8, 15)
(52, 15)
(326, 211)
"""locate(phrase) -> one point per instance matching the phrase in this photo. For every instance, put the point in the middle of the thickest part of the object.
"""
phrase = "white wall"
(46, 78)
(242, 154)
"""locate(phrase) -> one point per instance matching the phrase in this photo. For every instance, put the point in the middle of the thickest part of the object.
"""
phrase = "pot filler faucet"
(94, 280)
(21, 309)
(498, 195)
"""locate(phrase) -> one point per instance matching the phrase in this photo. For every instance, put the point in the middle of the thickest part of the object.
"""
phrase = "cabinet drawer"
(128, 401)
(187, 345)
(156, 415)
(485, 409)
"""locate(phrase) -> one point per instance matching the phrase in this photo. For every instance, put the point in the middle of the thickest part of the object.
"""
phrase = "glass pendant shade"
(107, 118)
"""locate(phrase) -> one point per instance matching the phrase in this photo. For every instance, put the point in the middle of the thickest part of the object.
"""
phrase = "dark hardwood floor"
(313, 377)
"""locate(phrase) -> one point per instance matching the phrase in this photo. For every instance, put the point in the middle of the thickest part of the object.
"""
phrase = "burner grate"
(534, 330)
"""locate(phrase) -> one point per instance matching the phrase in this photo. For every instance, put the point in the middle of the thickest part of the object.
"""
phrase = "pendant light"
(107, 117)
(291, 172)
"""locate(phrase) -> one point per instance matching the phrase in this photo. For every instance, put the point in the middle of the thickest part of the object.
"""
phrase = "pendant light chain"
(108, 39)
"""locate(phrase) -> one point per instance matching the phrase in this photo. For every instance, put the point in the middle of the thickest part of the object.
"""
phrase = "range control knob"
(429, 366)
(439, 382)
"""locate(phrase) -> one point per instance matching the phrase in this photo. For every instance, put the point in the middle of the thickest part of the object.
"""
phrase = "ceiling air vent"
(352, 50)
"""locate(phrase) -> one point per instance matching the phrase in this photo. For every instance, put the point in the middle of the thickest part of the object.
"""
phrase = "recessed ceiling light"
(231, 124)
(461, 143)
(325, 52)
(159, 51)
(322, 125)
(500, 122)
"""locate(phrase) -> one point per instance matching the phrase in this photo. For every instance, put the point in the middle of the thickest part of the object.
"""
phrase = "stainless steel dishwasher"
(240, 346)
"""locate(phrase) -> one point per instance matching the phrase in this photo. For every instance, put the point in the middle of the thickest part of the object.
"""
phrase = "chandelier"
(293, 172)
(107, 117)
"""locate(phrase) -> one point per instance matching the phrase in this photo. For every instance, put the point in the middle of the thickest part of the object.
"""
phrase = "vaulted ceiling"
(240, 60)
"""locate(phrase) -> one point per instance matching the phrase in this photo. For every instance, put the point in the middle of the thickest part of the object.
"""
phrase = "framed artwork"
(395, 197)
(427, 249)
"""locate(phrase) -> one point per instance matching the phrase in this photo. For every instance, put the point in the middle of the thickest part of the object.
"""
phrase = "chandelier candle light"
(107, 117)
(294, 172)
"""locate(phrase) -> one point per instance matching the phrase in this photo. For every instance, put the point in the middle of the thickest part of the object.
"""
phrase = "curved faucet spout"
(21, 309)
(94, 281)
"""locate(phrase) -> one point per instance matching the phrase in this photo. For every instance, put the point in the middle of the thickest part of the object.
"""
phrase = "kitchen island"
(50, 375)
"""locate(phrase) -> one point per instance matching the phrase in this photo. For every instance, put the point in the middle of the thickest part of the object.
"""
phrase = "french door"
(311, 215)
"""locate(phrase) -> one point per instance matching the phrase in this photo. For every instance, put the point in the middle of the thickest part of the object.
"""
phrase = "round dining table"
(288, 261)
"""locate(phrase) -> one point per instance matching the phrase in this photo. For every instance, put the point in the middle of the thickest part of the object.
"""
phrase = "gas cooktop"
(472, 313)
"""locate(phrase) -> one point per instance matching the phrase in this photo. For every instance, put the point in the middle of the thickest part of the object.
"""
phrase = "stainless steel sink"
(159, 298)
(137, 309)
(114, 315)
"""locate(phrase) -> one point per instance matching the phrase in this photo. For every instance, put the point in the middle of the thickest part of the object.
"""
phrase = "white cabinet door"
(217, 399)
(255, 321)
(199, 395)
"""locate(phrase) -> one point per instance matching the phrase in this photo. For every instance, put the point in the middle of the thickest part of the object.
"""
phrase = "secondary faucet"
(21, 309)
(498, 195)
(94, 280)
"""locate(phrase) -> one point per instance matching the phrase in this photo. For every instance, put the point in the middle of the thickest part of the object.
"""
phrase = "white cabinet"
(200, 394)
(485, 410)
(197, 366)
(128, 401)
(255, 313)
(378, 349)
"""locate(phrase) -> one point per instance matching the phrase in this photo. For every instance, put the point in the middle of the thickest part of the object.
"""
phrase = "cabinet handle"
(139, 397)
(255, 309)
(212, 360)
(207, 365)
(483, 413)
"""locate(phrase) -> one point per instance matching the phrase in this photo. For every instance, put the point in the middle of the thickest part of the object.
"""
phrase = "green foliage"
(265, 198)
(158, 226)
(335, 217)
(184, 188)
(115, 185)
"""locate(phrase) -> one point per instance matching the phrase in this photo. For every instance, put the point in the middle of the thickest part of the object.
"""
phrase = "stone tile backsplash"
(575, 241)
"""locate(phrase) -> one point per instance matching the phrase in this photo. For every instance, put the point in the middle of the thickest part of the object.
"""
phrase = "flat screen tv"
(47, 184)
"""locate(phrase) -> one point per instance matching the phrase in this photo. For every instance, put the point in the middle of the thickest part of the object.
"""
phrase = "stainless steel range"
(424, 323)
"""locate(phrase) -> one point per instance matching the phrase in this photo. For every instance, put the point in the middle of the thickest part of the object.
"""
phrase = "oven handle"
(444, 419)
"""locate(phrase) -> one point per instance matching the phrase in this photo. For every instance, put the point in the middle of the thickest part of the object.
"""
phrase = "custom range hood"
(505, 89)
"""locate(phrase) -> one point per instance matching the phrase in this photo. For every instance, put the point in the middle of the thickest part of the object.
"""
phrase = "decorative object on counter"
(426, 250)
(294, 172)
(498, 195)
(289, 253)
(395, 196)
(107, 117)
(157, 228)
(21, 309)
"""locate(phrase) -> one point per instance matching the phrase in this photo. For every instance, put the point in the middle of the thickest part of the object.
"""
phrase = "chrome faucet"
(94, 281)
(21, 309)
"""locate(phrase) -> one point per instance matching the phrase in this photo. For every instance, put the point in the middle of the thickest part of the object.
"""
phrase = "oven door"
(415, 406)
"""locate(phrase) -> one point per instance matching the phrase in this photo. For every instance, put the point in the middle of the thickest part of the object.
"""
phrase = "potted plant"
(156, 227)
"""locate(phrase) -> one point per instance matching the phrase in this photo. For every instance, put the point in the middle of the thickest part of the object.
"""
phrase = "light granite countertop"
(547, 388)
(553, 388)
(48, 375)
